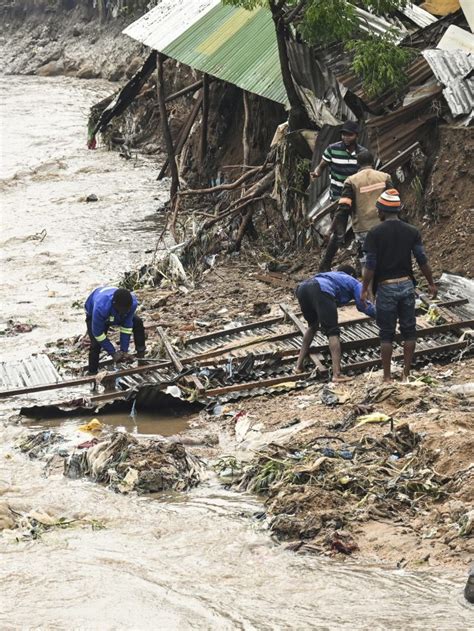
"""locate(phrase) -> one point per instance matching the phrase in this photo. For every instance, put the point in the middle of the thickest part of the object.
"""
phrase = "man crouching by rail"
(388, 249)
(319, 298)
(111, 307)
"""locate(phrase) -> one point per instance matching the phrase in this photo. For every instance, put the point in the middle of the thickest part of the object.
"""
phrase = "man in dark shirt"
(388, 248)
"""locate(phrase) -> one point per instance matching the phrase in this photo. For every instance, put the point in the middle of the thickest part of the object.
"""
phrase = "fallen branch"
(223, 187)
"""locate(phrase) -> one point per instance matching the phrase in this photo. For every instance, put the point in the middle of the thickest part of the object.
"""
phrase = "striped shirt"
(342, 163)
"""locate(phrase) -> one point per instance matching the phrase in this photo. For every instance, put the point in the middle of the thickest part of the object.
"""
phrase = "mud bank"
(62, 42)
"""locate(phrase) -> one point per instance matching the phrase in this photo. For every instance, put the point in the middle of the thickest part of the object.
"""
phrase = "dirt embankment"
(64, 42)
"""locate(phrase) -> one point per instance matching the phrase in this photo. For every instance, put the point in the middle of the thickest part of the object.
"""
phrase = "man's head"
(388, 204)
(365, 159)
(122, 300)
(349, 133)
(347, 269)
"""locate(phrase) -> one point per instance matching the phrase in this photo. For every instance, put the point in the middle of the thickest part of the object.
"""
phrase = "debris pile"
(318, 494)
(121, 461)
(33, 523)
(127, 464)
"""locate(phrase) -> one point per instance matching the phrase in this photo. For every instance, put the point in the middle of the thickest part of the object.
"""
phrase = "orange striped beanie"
(389, 201)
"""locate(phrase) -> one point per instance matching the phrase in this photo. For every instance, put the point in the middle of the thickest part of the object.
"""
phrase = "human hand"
(364, 296)
(315, 174)
(433, 290)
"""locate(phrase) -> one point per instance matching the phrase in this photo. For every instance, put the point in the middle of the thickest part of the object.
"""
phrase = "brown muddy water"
(199, 560)
(143, 424)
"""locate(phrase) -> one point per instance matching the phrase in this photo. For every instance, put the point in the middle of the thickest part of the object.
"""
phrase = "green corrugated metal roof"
(234, 45)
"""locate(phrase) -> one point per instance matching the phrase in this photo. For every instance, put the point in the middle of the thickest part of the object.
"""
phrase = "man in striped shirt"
(341, 157)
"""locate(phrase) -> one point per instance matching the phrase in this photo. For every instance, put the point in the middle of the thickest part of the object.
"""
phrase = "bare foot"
(341, 378)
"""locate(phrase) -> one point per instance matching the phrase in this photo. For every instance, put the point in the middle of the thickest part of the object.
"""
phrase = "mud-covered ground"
(399, 491)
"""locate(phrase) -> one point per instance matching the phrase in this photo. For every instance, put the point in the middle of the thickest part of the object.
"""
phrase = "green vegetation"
(377, 60)
(380, 63)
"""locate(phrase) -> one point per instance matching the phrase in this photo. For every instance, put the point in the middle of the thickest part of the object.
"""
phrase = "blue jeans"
(396, 301)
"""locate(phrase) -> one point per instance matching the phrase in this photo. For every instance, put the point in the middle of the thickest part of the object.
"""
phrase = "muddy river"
(200, 560)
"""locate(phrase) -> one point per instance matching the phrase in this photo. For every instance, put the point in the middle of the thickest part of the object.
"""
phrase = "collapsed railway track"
(254, 358)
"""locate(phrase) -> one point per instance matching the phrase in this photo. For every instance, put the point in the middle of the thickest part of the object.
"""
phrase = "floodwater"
(198, 560)
(143, 424)
(55, 246)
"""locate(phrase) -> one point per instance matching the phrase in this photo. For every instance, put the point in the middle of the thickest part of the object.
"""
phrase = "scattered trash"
(174, 391)
(261, 308)
(375, 417)
(32, 524)
(36, 445)
(93, 426)
(328, 397)
(125, 463)
(317, 491)
(16, 328)
(434, 315)
(337, 453)
(342, 541)
(87, 444)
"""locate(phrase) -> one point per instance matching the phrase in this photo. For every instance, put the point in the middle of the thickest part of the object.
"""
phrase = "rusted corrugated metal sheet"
(33, 371)
(455, 70)
(418, 72)
(395, 132)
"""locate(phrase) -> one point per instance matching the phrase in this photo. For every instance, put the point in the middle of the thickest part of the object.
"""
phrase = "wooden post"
(165, 124)
(183, 135)
(177, 362)
(205, 117)
(245, 132)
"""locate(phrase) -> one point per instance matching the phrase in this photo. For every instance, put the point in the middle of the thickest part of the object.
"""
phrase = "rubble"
(119, 460)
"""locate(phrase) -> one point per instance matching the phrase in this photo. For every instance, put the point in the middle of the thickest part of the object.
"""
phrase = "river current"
(200, 560)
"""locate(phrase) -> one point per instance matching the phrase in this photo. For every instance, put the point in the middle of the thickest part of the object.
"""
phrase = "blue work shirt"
(343, 288)
(99, 307)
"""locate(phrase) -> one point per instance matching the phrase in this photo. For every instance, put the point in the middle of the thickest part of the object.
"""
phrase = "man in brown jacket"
(358, 199)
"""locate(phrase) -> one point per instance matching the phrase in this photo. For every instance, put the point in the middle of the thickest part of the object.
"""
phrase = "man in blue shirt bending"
(108, 307)
(319, 298)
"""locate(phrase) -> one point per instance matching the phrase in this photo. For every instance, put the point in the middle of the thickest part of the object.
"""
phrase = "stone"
(87, 71)
(117, 73)
(51, 69)
(133, 67)
(92, 198)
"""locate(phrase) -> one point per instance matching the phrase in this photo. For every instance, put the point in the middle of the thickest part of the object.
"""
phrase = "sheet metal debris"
(455, 70)
(419, 16)
(32, 371)
(457, 38)
(226, 42)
